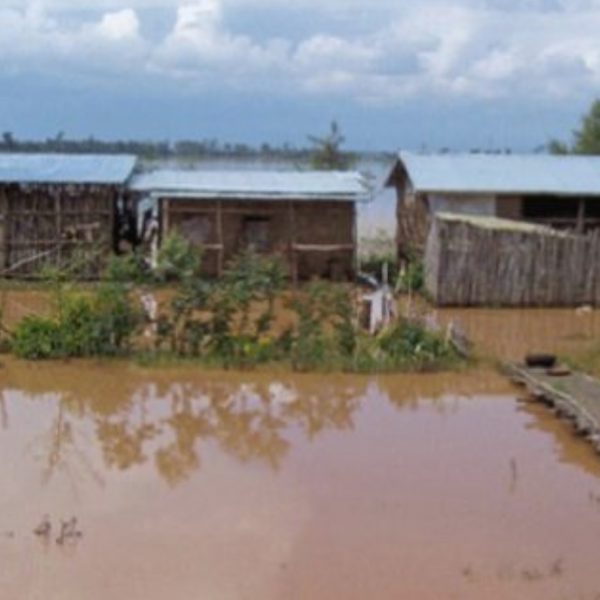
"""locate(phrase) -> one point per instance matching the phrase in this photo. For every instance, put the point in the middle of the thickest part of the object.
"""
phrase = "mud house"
(55, 207)
(558, 191)
(306, 218)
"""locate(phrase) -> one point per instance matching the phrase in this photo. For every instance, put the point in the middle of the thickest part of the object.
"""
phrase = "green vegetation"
(327, 154)
(587, 360)
(228, 323)
(586, 139)
(376, 251)
(185, 151)
(412, 276)
(101, 323)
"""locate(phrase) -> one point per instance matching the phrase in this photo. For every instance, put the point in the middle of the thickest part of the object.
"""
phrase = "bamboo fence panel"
(475, 261)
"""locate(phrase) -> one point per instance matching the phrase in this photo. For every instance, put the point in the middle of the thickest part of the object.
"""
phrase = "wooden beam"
(355, 266)
(4, 229)
(292, 243)
(221, 255)
(579, 227)
(322, 247)
(165, 208)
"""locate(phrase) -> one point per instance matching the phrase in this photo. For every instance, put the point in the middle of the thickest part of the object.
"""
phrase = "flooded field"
(508, 334)
(224, 486)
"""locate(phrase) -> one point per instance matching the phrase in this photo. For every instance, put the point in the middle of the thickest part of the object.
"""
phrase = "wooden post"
(579, 228)
(355, 265)
(4, 230)
(58, 224)
(220, 238)
(165, 207)
(293, 259)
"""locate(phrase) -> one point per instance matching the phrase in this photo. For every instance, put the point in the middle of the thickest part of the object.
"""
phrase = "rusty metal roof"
(503, 173)
(66, 168)
(255, 185)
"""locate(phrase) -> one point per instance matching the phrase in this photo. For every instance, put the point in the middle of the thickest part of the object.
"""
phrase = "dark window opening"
(256, 233)
(592, 208)
(550, 207)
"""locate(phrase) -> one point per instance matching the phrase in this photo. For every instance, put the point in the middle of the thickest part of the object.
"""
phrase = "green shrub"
(411, 345)
(128, 268)
(177, 260)
(36, 338)
(97, 324)
(412, 277)
(374, 265)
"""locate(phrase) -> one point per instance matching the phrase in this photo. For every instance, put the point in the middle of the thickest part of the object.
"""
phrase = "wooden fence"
(480, 261)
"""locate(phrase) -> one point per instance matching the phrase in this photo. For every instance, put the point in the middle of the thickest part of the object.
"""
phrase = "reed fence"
(480, 261)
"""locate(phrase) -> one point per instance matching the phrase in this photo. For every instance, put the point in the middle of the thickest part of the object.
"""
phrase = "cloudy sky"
(394, 73)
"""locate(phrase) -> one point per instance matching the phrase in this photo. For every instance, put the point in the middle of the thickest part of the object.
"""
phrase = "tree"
(587, 139)
(327, 154)
(557, 147)
(8, 140)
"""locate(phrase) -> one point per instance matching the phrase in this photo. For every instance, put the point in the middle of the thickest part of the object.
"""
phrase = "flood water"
(191, 485)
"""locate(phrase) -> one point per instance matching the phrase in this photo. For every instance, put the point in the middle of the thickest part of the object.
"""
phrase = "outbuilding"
(558, 191)
(58, 208)
(307, 218)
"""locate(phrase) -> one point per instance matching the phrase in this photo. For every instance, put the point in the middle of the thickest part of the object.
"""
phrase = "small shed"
(307, 218)
(57, 207)
(562, 192)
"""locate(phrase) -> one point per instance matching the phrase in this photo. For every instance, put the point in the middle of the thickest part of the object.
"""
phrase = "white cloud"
(121, 25)
(199, 45)
(485, 48)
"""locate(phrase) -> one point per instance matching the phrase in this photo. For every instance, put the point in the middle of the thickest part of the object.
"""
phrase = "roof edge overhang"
(503, 193)
(258, 197)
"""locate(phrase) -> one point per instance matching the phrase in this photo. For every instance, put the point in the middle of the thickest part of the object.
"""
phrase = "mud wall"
(313, 238)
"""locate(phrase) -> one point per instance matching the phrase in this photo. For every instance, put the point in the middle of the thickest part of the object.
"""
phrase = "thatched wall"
(55, 225)
(475, 261)
(313, 238)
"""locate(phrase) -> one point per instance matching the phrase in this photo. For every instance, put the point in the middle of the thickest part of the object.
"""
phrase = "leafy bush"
(374, 265)
(128, 268)
(36, 338)
(412, 276)
(410, 344)
(177, 260)
(97, 324)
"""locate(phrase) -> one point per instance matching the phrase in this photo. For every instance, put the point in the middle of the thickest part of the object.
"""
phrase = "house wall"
(53, 225)
(482, 205)
(299, 232)
(509, 207)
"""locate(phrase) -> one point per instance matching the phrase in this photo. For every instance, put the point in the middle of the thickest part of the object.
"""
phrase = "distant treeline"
(160, 150)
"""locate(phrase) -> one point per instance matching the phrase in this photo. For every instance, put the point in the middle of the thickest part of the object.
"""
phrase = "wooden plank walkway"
(575, 397)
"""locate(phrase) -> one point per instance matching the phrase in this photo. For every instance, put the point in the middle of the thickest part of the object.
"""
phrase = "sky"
(431, 74)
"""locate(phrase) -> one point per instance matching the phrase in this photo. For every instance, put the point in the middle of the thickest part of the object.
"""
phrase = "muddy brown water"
(193, 485)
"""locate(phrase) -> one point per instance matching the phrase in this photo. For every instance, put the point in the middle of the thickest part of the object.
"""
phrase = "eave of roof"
(104, 169)
(253, 185)
(512, 174)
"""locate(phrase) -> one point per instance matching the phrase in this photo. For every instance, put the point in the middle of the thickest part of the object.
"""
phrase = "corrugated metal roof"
(504, 173)
(239, 185)
(66, 168)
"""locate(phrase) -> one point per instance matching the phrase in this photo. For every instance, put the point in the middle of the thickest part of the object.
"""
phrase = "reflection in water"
(166, 421)
(249, 421)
